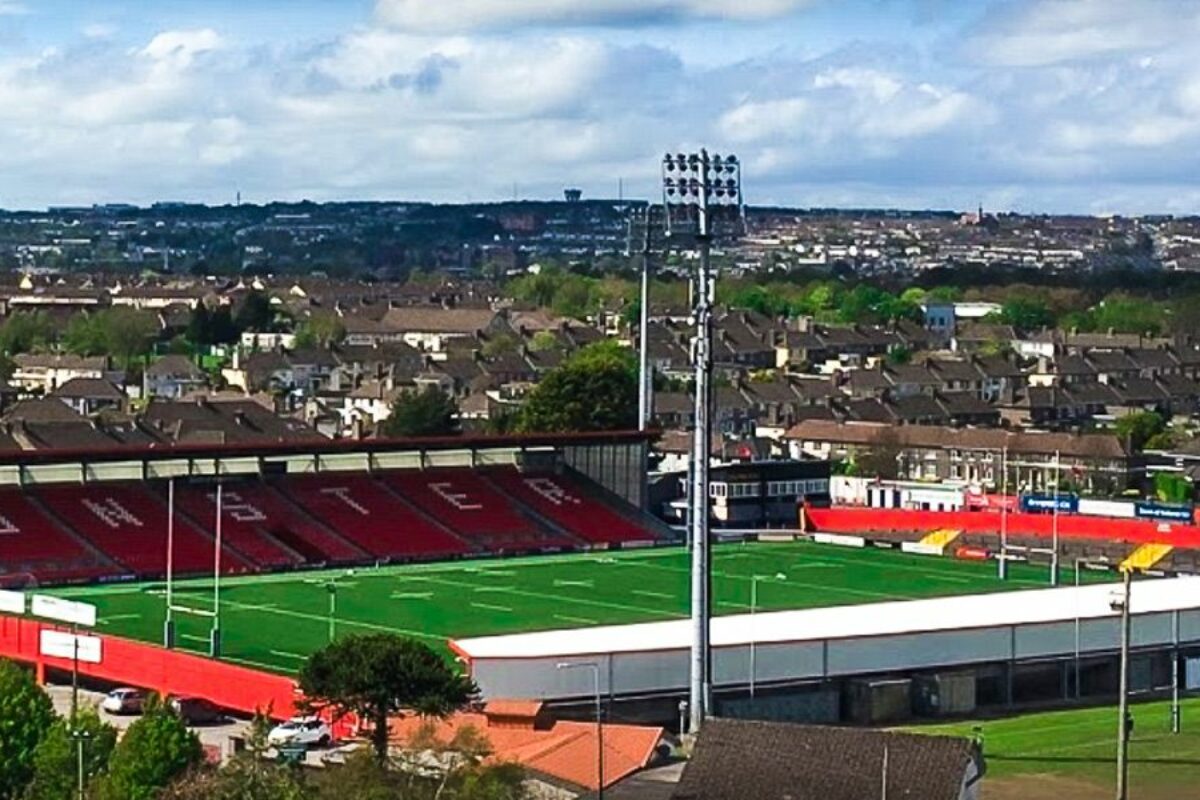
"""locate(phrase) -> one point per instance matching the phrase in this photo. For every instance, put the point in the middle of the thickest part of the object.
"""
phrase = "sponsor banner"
(968, 553)
(12, 602)
(1163, 511)
(61, 644)
(43, 605)
(1066, 503)
(839, 539)
(921, 548)
(1122, 509)
(776, 537)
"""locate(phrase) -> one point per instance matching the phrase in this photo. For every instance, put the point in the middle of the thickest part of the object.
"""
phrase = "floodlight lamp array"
(688, 177)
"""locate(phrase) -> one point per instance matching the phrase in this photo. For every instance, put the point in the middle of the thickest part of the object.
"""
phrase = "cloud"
(450, 113)
(1042, 32)
(465, 15)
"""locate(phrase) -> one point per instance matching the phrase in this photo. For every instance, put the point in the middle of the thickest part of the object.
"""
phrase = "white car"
(305, 731)
(124, 701)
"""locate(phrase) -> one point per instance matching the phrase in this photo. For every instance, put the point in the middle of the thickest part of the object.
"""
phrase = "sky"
(1086, 106)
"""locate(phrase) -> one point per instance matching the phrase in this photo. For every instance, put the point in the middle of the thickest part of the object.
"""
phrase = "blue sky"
(1090, 106)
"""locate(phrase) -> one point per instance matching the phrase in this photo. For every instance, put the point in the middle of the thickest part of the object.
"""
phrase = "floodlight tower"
(697, 187)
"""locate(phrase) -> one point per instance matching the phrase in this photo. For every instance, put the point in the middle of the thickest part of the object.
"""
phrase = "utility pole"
(1003, 563)
(1123, 720)
(693, 184)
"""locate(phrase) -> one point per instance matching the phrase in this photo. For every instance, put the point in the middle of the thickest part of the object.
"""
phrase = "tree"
(156, 750)
(1026, 314)
(199, 329)
(26, 715)
(429, 412)
(255, 313)
(593, 390)
(247, 776)
(55, 759)
(26, 331)
(121, 333)
(320, 330)
(1171, 487)
(1139, 427)
(376, 675)
(882, 458)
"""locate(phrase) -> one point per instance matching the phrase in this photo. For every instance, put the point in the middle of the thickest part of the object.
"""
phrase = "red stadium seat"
(466, 502)
(243, 524)
(129, 525)
(364, 512)
(560, 500)
(32, 543)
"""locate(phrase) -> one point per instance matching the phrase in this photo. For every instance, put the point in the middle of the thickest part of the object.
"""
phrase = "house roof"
(565, 751)
(738, 759)
(1081, 445)
(175, 366)
(437, 320)
(88, 389)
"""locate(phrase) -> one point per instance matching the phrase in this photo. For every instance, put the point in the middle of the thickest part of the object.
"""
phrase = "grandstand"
(88, 515)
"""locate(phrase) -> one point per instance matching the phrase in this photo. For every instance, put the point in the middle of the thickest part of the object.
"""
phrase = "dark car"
(197, 710)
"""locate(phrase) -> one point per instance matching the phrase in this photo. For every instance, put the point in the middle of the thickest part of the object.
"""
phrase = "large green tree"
(1139, 427)
(55, 761)
(379, 674)
(429, 412)
(26, 331)
(121, 333)
(156, 750)
(26, 715)
(593, 390)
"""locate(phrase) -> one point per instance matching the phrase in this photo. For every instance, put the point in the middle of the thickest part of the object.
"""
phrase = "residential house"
(171, 377)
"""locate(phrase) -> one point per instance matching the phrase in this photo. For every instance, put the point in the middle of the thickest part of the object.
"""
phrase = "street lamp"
(80, 737)
(754, 579)
(642, 223)
(331, 589)
(696, 188)
(595, 668)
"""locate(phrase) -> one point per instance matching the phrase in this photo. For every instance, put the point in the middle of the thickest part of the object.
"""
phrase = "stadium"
(513, 553)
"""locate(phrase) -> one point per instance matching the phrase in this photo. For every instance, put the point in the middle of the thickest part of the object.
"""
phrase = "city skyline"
(1032, 106)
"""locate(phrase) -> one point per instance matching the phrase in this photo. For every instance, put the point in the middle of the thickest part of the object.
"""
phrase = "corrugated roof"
(1027, 607)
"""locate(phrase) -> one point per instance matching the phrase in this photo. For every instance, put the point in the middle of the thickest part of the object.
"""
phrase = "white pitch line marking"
(490, 607)
(286, 654)
(656, 595)
(581, 620)
(411, 595)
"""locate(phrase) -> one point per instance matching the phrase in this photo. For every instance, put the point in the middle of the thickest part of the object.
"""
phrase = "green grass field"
(274, 621)
(1072, 754)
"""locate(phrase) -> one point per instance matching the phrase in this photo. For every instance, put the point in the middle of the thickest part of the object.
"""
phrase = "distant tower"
(238, 201)
(573, 195)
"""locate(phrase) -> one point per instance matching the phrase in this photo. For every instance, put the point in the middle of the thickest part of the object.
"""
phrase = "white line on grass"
(581, 620)
(108, 619)
(286, 654)
(656, 595)
(490, 607)
(411, 595)
(586, 584)
(492, 589)
(566, 599)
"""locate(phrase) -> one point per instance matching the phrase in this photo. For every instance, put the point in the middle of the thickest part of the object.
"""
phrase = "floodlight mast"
(693, 184)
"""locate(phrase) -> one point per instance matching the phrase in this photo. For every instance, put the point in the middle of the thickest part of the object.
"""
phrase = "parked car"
(197, 710)
(297, 731)
(124, 701)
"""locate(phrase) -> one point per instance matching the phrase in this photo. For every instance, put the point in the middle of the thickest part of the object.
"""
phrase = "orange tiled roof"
(562, 750)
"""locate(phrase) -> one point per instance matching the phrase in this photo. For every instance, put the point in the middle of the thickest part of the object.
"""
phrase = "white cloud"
(441, 15)
(180, 47)
(1041, 32)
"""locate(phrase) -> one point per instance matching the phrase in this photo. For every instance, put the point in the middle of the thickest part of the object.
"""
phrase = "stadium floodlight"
(693, 208)
(595, 668)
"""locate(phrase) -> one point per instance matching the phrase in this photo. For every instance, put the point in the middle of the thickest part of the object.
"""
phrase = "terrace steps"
(1146, 556)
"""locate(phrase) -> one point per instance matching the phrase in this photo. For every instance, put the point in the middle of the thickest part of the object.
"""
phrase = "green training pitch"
(275, 621)
(1076, 750)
